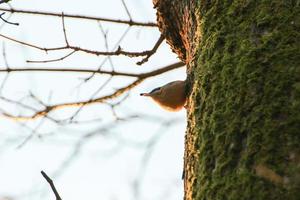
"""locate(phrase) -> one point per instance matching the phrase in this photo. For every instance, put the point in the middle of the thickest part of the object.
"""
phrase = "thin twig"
(12, 23)
(23, 43)
(107, 57)
(32, 134)
(49, 180)
(126, 9)
(93, 96)
(154, 49)
(51, 60)
(6, 65)
(7, 18)
(104, 34)
(35, 98)
(18, 103)
(64, 29)
(33, 12)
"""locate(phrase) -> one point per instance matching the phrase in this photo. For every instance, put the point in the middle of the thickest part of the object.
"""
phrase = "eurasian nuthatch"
(171, 96)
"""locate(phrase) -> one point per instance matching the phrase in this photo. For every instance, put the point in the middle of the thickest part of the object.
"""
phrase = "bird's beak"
(145, 94)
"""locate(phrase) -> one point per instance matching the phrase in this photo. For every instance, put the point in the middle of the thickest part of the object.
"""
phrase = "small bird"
(171, 96)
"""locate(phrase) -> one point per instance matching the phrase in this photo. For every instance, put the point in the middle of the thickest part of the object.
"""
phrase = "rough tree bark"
(243, 134)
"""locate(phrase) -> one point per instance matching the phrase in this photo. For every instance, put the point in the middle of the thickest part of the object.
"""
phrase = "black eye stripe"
(154, 90)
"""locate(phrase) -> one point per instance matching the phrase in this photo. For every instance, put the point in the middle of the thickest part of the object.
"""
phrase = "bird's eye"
(155, 90)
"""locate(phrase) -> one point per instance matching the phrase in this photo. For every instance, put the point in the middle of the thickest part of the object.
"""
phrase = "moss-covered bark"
(243, 136)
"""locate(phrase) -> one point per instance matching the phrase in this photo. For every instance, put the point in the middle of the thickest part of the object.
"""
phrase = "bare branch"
(117, 52)
(84, 70)
(162, 70)
(51, 108)
(49, 180)
(130, 23)
(117, 93)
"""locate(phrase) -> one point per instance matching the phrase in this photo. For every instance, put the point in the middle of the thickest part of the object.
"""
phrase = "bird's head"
(154, 93)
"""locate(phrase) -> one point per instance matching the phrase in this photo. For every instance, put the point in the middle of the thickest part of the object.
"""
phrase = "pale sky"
(115, 156)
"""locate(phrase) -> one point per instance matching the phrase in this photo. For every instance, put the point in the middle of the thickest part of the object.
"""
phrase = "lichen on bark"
(243, 134)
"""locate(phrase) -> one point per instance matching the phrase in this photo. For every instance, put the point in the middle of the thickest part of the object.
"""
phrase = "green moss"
(248, 76)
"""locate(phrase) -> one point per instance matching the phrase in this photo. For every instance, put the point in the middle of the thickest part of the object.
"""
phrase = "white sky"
(110, 162)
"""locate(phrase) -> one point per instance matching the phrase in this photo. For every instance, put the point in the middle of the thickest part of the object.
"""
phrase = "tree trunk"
(243, 65)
